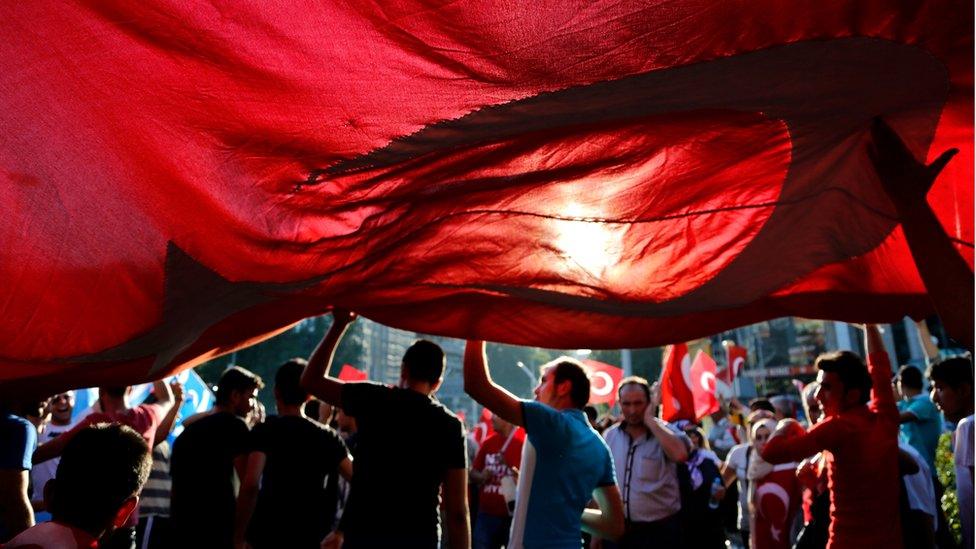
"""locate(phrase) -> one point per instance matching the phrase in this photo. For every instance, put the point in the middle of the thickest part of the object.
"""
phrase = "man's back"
(923, 433)
(301, 454)
(204, 481)
(407, 442)
(570, 461)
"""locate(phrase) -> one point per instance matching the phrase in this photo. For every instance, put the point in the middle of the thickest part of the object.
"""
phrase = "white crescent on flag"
(604, 386)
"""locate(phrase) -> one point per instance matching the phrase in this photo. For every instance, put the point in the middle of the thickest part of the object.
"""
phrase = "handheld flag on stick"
(604, 379)
(704, 385)
(677, 399)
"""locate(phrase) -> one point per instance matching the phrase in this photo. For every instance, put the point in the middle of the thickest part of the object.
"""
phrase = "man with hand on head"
(646, 451)
(565, 462)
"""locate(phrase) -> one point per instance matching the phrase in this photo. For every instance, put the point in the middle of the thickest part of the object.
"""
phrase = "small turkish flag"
(735, 360)
(677, 401)
(350, 373)
(483, 429)
(777, 501)
(603, 381)
(703, 386)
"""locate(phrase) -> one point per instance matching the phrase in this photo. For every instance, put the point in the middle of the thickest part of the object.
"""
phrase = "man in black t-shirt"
(409, 445)
(209, 458)
(292, 459)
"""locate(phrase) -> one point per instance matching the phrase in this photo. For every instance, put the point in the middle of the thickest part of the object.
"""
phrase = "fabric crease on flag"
(179, 180)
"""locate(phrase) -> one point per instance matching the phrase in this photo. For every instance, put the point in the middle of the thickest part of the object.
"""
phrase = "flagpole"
(626, 362)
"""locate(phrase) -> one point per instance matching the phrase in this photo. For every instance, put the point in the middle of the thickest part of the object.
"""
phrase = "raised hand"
(906, 180)
(947, 276)
(343, 316)
(179, 393)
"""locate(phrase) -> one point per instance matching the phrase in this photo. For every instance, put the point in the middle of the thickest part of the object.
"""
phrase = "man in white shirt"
(645, 452)
(61, 407)
(919, 526)
(952, 392)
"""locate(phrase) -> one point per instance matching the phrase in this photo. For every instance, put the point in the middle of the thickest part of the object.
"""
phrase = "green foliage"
(503, 362)
(264, 358)
(946, 470)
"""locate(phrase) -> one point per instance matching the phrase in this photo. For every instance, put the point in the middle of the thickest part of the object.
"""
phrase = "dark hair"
(635, 380)
(101, 466)
(851, 370)
(236, 378)
(694, 430)
(591, 413)
(116, 391)
(288, 382)
(424, 361)
(312, 408)
(567, 369)
(954, 372)
(761, 404)
(910, 377)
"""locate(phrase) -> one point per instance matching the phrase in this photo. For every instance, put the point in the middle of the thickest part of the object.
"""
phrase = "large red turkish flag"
(179, 179)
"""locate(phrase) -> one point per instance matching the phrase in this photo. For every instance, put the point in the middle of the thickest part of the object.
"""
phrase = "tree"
(264, 358)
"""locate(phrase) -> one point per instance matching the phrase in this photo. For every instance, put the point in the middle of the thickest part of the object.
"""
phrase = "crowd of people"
(366, 465)
(389, 466)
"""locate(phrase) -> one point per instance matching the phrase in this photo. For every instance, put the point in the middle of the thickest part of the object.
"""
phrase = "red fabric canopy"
(181, 179)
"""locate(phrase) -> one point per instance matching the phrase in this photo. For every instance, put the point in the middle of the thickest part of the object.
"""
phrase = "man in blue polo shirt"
(565, 462)
(921, 422)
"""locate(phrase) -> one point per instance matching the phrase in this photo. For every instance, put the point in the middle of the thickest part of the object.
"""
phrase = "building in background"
(783, 349)
(383, 349)
(779, 350)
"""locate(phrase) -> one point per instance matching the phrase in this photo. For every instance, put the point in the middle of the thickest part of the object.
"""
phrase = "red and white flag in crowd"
(483, 429)
(604, 379)
(677, 401)
(351, 373)
(735, 360)
(777, 500)
(703, 385)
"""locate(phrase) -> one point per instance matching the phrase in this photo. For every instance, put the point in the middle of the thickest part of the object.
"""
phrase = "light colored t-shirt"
(43, 472)
(964, 477)
(737, 460)
(919, 487)
(563, 461)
